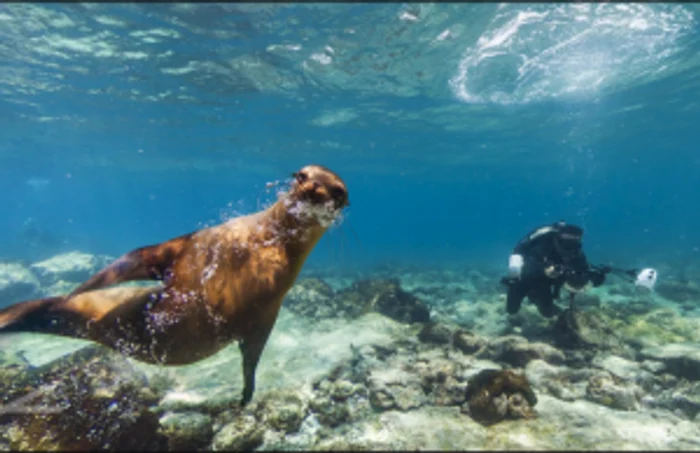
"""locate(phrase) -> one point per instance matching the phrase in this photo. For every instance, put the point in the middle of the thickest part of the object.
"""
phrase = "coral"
(496, 395)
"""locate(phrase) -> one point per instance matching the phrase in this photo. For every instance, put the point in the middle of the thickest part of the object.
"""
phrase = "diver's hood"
(569, 233)
(568, 240)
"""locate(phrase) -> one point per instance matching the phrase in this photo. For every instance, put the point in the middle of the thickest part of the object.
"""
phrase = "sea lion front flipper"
(251, 349)
(145, 263)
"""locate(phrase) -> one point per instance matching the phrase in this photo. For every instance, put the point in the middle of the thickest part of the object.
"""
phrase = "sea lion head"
(317, 194)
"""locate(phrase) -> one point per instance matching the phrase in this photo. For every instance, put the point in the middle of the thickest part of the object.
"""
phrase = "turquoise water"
(458, 127)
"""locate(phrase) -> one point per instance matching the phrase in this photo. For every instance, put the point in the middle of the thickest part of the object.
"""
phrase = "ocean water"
(457, 128)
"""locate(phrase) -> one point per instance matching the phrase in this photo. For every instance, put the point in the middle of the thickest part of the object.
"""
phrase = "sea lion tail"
(30, 316)
(92, 316)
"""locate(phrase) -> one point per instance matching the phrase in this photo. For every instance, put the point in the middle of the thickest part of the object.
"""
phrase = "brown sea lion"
(219, 284)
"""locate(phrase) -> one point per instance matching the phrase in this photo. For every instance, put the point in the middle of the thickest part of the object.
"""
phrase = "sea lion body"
(220, 284)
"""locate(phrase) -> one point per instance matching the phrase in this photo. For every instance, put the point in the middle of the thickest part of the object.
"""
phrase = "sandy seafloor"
(340, 371)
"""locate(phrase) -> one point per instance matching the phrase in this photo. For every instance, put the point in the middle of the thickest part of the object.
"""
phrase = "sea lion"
(217, 284)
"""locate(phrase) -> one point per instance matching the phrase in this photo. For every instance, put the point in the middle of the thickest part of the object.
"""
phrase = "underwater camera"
(646, 278)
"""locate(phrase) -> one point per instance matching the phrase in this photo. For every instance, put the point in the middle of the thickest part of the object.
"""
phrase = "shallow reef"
(404, 358)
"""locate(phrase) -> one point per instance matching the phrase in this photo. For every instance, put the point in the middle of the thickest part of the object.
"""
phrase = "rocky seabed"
(417, 359)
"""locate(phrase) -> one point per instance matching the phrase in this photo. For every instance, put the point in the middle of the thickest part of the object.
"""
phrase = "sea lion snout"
(320, 185)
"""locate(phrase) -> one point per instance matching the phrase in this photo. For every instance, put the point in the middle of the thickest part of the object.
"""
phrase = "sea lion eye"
(300, 177)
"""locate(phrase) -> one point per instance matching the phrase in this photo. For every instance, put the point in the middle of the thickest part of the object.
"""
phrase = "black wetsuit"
(539, 251)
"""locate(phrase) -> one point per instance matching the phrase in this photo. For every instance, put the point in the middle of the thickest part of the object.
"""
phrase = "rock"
(606, 390)
(577, 329)
(186, 430)
(89, 400)
(680, 359)
(436, 333)
(17, 283)
(467, 342)
(634, 307)
(678, 291)
(659, 326)
(70, 267)
(395, 388)
(313, 298)
(584, 425)
(429, 429)
(683, 397)
(212, 402)
(558, 381)
(329, 412)
(244, 433)
(341, 396)
(442, 380)
(495, 395)
(624, 369)
(282, 410)
(517, 351)
(343, 390)
(653, 366)
(484, 284)
(588, 301)
(386, 297)
(620, 367)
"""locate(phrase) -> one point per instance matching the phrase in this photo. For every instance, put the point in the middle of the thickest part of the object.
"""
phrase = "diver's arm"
(535, 257)
(529, 257)
(534, 267)
(597, 274)
(580, 273)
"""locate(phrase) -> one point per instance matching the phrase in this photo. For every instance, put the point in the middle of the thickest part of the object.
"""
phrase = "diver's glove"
(572, 288)
(578, 282)
(597, 278)
(554, 270)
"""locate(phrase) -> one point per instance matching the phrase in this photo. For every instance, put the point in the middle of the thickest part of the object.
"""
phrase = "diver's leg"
(516, 294)
(543, 297)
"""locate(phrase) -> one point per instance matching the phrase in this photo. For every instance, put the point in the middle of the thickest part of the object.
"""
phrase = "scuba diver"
(546, 260)
(551, 258)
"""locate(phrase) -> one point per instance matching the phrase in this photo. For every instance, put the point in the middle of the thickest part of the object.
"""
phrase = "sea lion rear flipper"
(27, 316)
(86, 316)
(146, 263)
